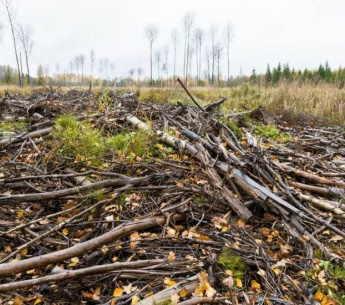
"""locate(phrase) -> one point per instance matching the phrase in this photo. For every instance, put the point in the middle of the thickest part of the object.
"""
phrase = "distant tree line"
(203, 55)
(283, 73)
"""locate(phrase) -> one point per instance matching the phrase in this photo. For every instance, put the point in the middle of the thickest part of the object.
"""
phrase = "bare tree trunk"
(151, 61)
(10, 19)
(174, 63)
(184, 56)
(21, 68)
(27, 68)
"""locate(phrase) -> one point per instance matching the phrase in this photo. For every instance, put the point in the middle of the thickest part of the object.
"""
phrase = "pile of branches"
(209, 218)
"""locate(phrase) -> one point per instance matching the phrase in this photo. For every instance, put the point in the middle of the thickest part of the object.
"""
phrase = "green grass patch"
(78, 139)
(132, 144)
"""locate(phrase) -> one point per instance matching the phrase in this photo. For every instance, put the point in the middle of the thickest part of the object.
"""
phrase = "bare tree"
(101, 68)
(92, 61)
(112, 69)
(71, 69)
(10, 13)
(151, 33)
(57, 68)
(106, 67)
(139, 72)
(77, 65)
(208, 59)
(158, 56)
(166, 62)
(198, 40)
(131, 73)
(229, 35)
(213, 36)
(175, 41)
(1, 29)
(24, 34)
(218, 52)
(82, 61)
(187, 22)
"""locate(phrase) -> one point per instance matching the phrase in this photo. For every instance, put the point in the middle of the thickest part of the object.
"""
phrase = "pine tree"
(268, 75)
(277, 74)
(252, 78)
(328, 73)
(287, 72)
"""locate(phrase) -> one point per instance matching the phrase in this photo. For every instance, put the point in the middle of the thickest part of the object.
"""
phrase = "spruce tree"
(253, 77)
(268, 75)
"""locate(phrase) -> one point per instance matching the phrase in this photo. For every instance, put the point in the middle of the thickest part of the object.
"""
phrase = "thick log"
(77, 250)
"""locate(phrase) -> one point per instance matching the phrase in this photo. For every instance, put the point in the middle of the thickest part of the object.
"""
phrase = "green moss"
(78, 139)
(231, 261)
(10, 126)
(236, 130)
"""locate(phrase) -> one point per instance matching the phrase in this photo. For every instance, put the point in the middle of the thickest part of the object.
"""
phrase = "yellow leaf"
(135, 300)
(241, 223)
(38, 301)
(169, 282)
(148, 294)
(113, 301)
(73, 264)
(239, 283)
(104, 249)
(118, 292)
(183, 293)
(255, 285)
(171, 257)
(17, 300)
(65, 231)
(319, 296)
(24, 251)
(171, 232)
(228, 272)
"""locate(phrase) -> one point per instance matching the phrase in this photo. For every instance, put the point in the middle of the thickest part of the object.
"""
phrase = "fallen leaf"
(174, 299)
(255, 285)
(135, 300)
(118, 292)
(169, 282)
(239, 283)
(228, 282)
(183, 293)
(171, 257)
(321, 277)
(336, 238)
(17, 300)
(65, 231)
(148, 294)
(286, 250)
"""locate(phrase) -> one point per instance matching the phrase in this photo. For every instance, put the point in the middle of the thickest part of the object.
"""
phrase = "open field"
(324, 102)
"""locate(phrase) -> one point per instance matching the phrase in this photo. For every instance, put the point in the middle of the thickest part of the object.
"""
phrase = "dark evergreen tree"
(277, 74)
(287, 72)
(253, 77)
(268, 75)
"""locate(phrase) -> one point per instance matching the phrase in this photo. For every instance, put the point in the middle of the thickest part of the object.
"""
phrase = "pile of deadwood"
(170, 230)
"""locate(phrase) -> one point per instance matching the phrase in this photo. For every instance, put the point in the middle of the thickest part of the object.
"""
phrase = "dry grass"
(324, 102)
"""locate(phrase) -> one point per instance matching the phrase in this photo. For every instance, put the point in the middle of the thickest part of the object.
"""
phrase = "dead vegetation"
(109, 200)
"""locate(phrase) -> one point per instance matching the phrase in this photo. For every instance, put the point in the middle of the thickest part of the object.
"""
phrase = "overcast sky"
(303, 33)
